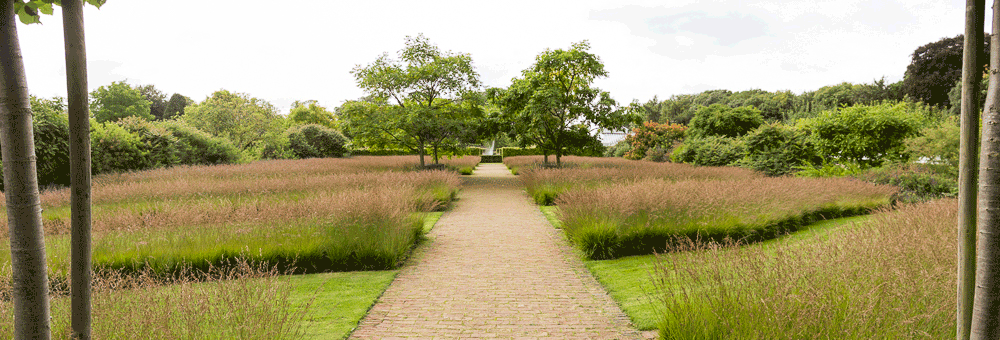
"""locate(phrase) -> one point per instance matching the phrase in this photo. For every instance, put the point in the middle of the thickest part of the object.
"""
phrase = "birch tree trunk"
(986, 310)
(24, 214)
(972, 72)
(79, 150)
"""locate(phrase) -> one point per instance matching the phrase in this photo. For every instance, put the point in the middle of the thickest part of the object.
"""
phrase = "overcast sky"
(283, 51)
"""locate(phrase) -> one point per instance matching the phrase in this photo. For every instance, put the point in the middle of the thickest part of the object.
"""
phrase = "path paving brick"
(494, 267)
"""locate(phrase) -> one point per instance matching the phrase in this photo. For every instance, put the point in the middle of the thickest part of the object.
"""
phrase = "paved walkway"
(495, 268)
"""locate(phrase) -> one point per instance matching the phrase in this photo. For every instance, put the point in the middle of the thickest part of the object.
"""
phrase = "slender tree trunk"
(986, 310)
(435, 154)
(422, 151)
(24, 213)
(972, 73)
(79, 150)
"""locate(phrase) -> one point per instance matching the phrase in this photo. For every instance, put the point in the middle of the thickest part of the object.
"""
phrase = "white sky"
(283, 51)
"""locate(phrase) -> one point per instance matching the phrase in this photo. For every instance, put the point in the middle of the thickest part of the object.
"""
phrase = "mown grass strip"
(337, 301)
(630, 280)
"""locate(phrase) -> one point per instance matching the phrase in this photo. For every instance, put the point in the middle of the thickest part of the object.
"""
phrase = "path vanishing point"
(493, 267)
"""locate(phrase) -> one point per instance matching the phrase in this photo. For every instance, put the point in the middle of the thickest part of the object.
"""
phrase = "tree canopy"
(309, 112)
(242, 119)
(554, 98)
(113, 102)
(425, 98)
(936, 67)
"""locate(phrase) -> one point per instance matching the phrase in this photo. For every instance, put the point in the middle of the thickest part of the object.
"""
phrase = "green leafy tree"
(309, 112)
(244, 120)
(555, 95)
(777, 149)
(157, 100)
(426, 98)
(175, 106)
(721, 120)
(113, 102)
(866, 134)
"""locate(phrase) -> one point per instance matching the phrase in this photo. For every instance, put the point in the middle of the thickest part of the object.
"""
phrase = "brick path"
(495, 268)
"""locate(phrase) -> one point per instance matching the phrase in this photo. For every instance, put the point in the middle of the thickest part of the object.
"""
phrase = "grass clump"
(644, 217)
(239, 301)
(891, 278)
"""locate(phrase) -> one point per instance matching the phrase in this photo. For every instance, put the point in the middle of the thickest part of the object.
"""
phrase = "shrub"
(196, 147)
(711, 151)
(513, 151)
(618, 150)
(865, 134)
(660, 138)
(917, 182)
(722, 120)
(938, 144)
(316, 141)
(492, 159)
(115, 149)
(777, 149)
(158, 143)
(51, 133)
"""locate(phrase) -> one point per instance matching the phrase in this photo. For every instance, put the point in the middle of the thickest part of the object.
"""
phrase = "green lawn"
(339, 300)
(629, 280)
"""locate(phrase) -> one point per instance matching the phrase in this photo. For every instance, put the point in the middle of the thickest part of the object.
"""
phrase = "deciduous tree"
(243, 119)
(425, 98)
(111, 103)
(555, 94)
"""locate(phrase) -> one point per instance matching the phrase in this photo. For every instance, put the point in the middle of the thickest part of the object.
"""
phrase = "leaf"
(96, 3)
(45, 8)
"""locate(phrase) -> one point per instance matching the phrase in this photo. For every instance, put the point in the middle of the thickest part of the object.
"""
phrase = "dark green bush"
(51, 133)
(917, 182)
(316, 141)
(196, 147)
(115, 149)
(710, 151)
(157, 143)
(513, 151)
(866, 134)
(777, 149)
(722, 120)
(491, 159)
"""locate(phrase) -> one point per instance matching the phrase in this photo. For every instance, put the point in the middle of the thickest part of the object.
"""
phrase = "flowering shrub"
(652, 136)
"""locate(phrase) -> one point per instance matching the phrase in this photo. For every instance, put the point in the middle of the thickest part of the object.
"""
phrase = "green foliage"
(936, 67)
(242, 119)
(827, 169)
(618, 150)
(652, 136)
(157, 143)
(435, 103)
(312, 141)
(514, 151)
(119, 100)
(157, 100)
(553, 104)
(115, 149)
(308, 112)
(175, 106)
(918, 183)
(777, 149)
(866, 134)
(938, 144)
(710, 151)
(50, 127)
(29, 11)
(491, 159)
(721, 120)
(195, 147)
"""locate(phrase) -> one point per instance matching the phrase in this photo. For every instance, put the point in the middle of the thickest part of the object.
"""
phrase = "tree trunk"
(79, 150)
(968, 165)
(435, 154)
(422, 151)
(986, 310)
(546, 153)
(24, 213)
